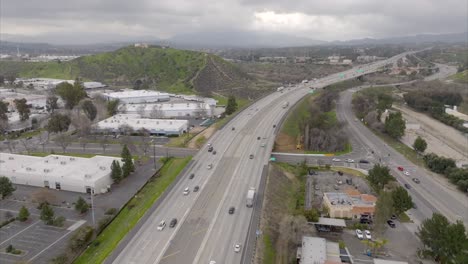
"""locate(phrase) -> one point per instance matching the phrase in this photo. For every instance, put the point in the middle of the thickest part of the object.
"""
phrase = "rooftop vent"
(72, 158)
(102, 168)
(28, 169)
(56, 157)
(11, 158)
(63, 162)
(87, 176)
(46, 170)
(46, 161)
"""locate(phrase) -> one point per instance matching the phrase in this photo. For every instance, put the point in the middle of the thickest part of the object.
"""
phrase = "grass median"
(127, 218)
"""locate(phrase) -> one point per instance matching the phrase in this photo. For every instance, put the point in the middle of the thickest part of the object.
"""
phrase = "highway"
(205, 231)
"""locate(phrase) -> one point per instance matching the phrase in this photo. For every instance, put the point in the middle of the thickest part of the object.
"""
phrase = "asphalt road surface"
(205, 231)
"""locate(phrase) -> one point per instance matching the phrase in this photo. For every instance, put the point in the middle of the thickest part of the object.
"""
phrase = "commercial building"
(169, 110)
(317, 250)
(120, 122)
(59, 172)
(49, 83)
(138, 96)
(351, 204)
(383, 261)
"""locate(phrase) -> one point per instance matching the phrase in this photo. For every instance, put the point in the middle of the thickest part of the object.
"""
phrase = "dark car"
(407, 186)
(214, 152)
(191, 176)
(274, 126)
(173, 222)
(233, 128)
(363, 161)
(416, 180)
(340, 173)
(210, 149)
(312, 172)
(231, 210)
(196, 188)
(393, 217)
(251, 156)
(391, 223)
(258, 138)
(400, 168)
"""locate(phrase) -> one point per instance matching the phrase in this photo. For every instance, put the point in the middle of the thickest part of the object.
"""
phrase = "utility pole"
(154, 153)
(92, 207)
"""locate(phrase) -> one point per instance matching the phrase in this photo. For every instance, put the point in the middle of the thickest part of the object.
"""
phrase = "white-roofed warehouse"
(59, 172)
(118, 122)
(138, 96)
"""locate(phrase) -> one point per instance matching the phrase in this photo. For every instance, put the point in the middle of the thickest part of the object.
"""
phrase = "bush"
(103, 223)
(6, 222)
(81, 205)
(60, 259)
(81, 238)
(23, 214)
(58, 221)
(311, 215)
(111, 211)
(360, 226)
(12, 250)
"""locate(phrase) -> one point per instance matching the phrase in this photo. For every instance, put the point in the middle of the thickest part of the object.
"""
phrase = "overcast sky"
(92, 21)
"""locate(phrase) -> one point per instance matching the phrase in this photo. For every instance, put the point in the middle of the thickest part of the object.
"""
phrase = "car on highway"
(274, 126)
(196, 188)
(173, 223)
(231, 210)
(214, 152)
(364, 161)
(258, 138)
(251, 156)
(186, 191)
(192, 175)
(336, 160)
(210, 148)
(212, 262)
(209, 166)
(237, 248)
(400, 169)
(391, 223)
(161, 225)
(359, 234)
(367, 234)
(233, 128)
(406, 173)
(407, 186)
(349, 160)
(340, 173)
(263, 145)
(416, 180)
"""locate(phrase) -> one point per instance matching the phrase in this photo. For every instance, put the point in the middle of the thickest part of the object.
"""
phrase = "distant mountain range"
(201, 40)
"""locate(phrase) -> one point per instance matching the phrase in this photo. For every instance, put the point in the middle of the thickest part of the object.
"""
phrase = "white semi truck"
(250, 197)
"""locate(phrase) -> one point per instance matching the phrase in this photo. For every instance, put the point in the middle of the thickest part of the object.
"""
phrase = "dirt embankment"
(195, 141)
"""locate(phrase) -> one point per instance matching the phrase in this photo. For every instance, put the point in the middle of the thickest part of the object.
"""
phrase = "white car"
(367, 234)
(350, 160)
(186, 191)
(406, 173)
(359, 234)
(209, 166)
(212, 262)
(237, 248)
(161, 225)
(336, 160)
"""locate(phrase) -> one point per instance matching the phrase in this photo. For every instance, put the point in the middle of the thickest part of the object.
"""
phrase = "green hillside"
(159, 68)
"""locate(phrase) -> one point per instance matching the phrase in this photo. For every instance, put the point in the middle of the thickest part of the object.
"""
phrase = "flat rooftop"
(331, 222)
(314, 250)
(165, 106)
(339, 198)
(135, 93)
(70, 168)
(136, 122)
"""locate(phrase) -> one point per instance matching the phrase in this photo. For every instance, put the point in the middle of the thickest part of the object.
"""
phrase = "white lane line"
(42, 251)
(15, 235)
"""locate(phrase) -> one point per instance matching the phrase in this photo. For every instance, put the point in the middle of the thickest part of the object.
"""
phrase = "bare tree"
(81, 123)
(63, 140)
(156, 112)
(83, 142)
(125, 129)
(11, 145)
(104, 142)
(145, 140)
(141, 110)
(27, 144)
(43, 139)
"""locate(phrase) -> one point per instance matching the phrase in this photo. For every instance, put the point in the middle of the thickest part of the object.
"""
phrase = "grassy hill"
(461, 77)
(165, 69)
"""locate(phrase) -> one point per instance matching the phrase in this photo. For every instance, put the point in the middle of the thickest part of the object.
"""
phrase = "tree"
(58, 123)
(395, 125)
(3, 110)
(81, 238)
(311, 215)
(379, 176)
(83, 142)
(81, 205)
(2, 80)
(11, 78)
(231, 106)
(116, 171)
(443, 241)
(6, 187)
(145, 140)
(89, 109)
(23, 108)
(104, 142)
(63, 140)
(112, 106)
(71, 94)
(128, 166)
(402, 201)
(47, 214)
(375, 245)
(23, 214)
(420, 144)
(51, 103)
(383, 211)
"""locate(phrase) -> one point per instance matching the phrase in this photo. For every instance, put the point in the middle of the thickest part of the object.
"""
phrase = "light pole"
(92, 207)
(154, 153)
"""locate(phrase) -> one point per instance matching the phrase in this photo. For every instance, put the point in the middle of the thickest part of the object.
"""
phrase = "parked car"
(232, 209)
(391, 223)
(406, 173)
(251, 156)
(237, 248)
(192, 175)
(407, 186)
(401, 169)
(340, 173)
(186, 191)
(161, 225)
(196, 188)
(210, 166)
(258, 138)
(367, 234)
(262, 145)
(416, 180)
(173, 223)
(359, 234)
(393, 217)
(210, 148)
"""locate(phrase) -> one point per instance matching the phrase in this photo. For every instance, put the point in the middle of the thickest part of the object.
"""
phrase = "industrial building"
(317, 250)
(138, 96)
(118, 123)
(59, 172)
(49, 83)
(351, 204)
(169, 110)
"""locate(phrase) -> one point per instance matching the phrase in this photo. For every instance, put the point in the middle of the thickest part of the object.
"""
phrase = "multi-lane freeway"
(205, 231)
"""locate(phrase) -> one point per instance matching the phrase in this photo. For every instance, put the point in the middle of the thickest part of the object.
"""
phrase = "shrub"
(111, 211)
(58, 221)
(81, 238)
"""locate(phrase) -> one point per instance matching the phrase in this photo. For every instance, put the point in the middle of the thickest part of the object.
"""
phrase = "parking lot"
(33, 238)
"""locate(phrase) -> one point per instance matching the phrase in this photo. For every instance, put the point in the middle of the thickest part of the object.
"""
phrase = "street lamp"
(92, 206)
(154, 152)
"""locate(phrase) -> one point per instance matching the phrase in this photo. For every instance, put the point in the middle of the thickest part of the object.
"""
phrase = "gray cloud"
(110, 20)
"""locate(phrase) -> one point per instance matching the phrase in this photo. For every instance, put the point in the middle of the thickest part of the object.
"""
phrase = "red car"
(401, 169)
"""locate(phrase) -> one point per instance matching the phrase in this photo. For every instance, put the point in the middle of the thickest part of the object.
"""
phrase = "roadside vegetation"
(126, 219)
